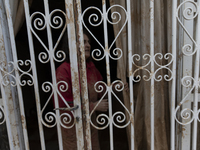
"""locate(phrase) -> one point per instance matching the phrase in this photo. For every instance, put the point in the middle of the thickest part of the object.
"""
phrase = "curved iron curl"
(62, 86)
(3, 66)
(97, 52)
(166, 76)
(138, 58)
(166, 57)
(186, 11)
(189, 13)
(39, 24)
(2, 115)
(115, 14)
(160, 56)
(120, 118)
(185, 113)
(198, 112)
(26, 82)
(27, 73)
(43, 57)
(99, 86)
(116, 53)
(57, 20)
(26, 63)
(95, 18)
(187, 50)
(118, 85)
(47, 87)
(101, 120)
(50, 117)
(137, 78)
(60, 55)
(66, 119)
(114, 18)
(5, 81)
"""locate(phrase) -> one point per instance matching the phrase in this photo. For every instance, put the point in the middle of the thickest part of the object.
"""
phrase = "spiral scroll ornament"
(2, 115)
(187, 115)
(95, 20)
(188, 50)
(146, 60)
(137, 58)
(8, 78)
(116, 18)
(67, 120)
(56, 22)
(25, 73)
(97, 54)
(167, 57)
(49, 119)
(119, 119)
(101, 119)
(190, 12)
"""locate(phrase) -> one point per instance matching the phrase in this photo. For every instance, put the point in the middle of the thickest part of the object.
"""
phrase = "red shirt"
(63, 73)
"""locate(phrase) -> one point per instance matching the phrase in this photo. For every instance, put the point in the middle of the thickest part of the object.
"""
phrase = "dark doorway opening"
(44, 71)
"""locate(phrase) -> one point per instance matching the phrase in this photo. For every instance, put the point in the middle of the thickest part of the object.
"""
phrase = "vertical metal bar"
(196, 77)
(179, 95)
(6, 91)
(74, 71)
(107, 51)
(83, 79)
(36, 86)
(152, 69)
(173, 87)
(15, 61)
(51, 56)
(11, 128)
(130, 73)
(187, 71)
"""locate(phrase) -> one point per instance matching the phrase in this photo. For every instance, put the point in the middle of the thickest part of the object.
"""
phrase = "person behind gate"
(63, 73)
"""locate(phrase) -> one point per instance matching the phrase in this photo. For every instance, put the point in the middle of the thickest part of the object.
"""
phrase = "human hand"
(102, 106)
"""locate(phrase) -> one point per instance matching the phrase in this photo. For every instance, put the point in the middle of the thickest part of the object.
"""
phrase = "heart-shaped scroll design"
(55, 22)
(118, 119)
(66, 119)
(94, 20)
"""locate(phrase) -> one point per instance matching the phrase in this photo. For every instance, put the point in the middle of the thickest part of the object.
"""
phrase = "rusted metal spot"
(132, 119)
(103, 2)
(183, 130)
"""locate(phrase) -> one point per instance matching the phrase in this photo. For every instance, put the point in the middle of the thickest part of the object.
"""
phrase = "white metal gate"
(47, 28)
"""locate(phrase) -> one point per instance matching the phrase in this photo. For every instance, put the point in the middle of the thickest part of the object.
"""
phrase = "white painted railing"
(185, 14)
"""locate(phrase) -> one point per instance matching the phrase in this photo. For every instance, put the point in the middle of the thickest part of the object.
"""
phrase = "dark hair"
(89, 36)
(65, 46)
(87, 33)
